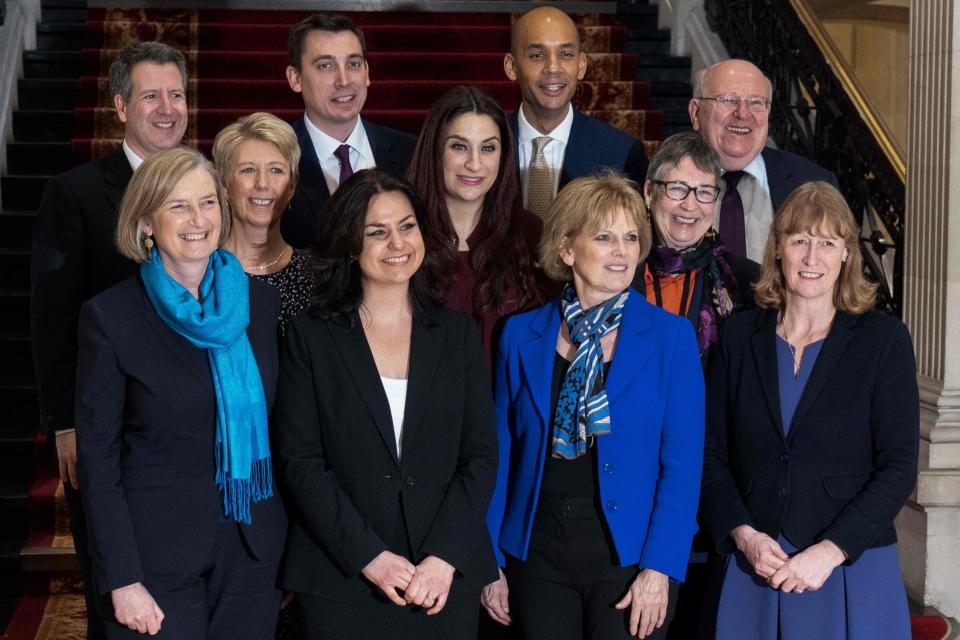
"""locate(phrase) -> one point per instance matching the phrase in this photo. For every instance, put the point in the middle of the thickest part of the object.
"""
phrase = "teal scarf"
(218, 323)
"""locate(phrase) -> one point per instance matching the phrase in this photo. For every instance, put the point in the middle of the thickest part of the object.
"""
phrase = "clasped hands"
(806, 570)
(426, 585)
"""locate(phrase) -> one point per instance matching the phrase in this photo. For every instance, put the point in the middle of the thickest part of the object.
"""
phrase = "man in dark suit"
(328, 67)
(555, 142)
(74, 257)
(731, 109)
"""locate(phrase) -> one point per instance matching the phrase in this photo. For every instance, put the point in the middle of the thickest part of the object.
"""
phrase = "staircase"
(42, 128)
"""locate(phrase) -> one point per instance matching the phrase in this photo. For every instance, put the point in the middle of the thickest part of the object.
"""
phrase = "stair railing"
(820, 111)
(18, 32)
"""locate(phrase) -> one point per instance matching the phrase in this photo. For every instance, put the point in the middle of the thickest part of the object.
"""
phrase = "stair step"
(18, 440)
(19, 402)
(43, 126)
(671, 103)
(676, 89)
(51, 64)
(60, 559)
(14, 316)
(648, 47)
(668, 73)
(39, 158)
(22, 192)
(15, 269)
(48, 93)
(16, 359)
(60, 36)
(64, 14)
(64, 4)
(16, 229)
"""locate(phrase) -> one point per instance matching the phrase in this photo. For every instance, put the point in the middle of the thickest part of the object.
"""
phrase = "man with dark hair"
(74, 256)
(730, 108)
(328, 67)
(555, 142)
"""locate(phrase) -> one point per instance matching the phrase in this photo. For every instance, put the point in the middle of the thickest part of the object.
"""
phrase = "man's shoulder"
(381, 132)
(602, 130)
(777, 159)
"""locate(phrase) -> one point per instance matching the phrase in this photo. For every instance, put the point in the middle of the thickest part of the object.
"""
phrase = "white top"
(397, 399)
(361, 155)
(132, 157)
(553, 152)
(757, 207)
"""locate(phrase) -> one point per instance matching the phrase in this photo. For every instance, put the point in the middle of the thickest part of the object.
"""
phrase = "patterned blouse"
(295, 282)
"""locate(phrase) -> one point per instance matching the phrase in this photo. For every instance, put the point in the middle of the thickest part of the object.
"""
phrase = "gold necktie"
(539, 180)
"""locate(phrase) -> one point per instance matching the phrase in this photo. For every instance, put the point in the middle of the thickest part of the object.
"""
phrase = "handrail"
(816, 115)
(853, 87)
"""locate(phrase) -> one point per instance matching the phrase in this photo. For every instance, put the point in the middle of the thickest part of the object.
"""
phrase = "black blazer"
(351, 498)
(146, 416)
(73, 258)
(850, 459)
(392, 151)
(593, 145)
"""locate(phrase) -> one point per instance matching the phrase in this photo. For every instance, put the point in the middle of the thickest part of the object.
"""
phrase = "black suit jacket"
(850, 459)
(351, 497)
(392, 151)
(72, 259)
(786, 171)
(146, 417)
(594, 144)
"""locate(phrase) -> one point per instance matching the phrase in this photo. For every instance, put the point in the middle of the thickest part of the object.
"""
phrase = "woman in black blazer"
(177, 372)
(385, 432)
(812, 432)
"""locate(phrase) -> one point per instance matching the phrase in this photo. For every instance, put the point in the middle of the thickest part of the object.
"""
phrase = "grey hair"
(121, 70)
(674, 149)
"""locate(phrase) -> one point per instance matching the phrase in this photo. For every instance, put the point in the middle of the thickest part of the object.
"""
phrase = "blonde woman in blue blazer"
(600, 435)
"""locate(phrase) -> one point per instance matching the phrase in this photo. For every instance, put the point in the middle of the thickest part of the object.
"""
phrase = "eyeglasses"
(678, 190)
(731, 102)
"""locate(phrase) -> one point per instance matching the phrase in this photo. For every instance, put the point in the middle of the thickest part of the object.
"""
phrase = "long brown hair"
(502, 259)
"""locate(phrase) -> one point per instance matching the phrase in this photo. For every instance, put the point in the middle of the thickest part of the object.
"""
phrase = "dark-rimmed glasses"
(678, 190)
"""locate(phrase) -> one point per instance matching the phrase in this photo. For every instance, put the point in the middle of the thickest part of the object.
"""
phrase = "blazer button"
(410, 481)
(613, 506)
(782, 492)
(607, 467)
(785, 458)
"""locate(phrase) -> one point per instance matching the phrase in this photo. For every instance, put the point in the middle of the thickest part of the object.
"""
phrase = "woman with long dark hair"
(465, 170)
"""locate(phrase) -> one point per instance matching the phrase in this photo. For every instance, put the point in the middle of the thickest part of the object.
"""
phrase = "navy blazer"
(73, 258)
(649, 463)
(351, 495)
(786, 171)
(849, 461)
(392, 151)
(593, 145)
(146, 418)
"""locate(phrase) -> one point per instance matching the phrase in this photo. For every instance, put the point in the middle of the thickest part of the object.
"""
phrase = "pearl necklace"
(266, 265)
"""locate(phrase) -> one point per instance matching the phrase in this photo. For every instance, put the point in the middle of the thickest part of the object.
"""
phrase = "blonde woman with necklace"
(258, 156)
(811, 448)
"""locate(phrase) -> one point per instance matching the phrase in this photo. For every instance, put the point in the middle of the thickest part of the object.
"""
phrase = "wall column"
(929, 526)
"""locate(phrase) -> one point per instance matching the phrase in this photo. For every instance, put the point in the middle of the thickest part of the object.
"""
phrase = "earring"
(148, 242)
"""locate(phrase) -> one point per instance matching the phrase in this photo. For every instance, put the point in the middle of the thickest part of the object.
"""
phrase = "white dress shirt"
(132, 157)
(553, 152)
(396, 390)
(757, 207)
(361, 155)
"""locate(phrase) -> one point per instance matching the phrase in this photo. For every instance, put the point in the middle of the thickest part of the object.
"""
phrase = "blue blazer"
(392, 151)
(786, 171)
(593, 145)
(650, 462)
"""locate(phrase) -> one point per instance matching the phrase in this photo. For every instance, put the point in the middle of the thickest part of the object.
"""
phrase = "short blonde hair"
(264, 127)
(150, 187)
(816, 207)
(583, 206)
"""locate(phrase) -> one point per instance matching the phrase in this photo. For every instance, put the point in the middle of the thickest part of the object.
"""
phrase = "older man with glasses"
(730, 109)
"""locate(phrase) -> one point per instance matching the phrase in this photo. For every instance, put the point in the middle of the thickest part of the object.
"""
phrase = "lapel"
(633, 347)
(193, 359)
(778, 176)
(426, 349)
(764, 347)
(578, 160)
(117, 174)
(830, 355)
(537, 354)
(355, 352)
(311, 184)
(382, 144)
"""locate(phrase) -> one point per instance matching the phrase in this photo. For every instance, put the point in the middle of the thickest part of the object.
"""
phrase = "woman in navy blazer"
(812, 434)
(185, 537)
(594, 510)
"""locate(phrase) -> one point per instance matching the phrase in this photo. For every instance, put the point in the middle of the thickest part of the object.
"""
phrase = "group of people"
(271, 373)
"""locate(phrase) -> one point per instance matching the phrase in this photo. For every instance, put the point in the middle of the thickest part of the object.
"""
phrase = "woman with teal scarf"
(177, 374)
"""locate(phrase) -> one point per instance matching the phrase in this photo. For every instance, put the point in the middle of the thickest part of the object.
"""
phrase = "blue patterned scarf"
(218, 323)
(582, 407)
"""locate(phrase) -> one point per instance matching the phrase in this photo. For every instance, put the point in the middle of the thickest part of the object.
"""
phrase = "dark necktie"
(343, 155)
(732, 226)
